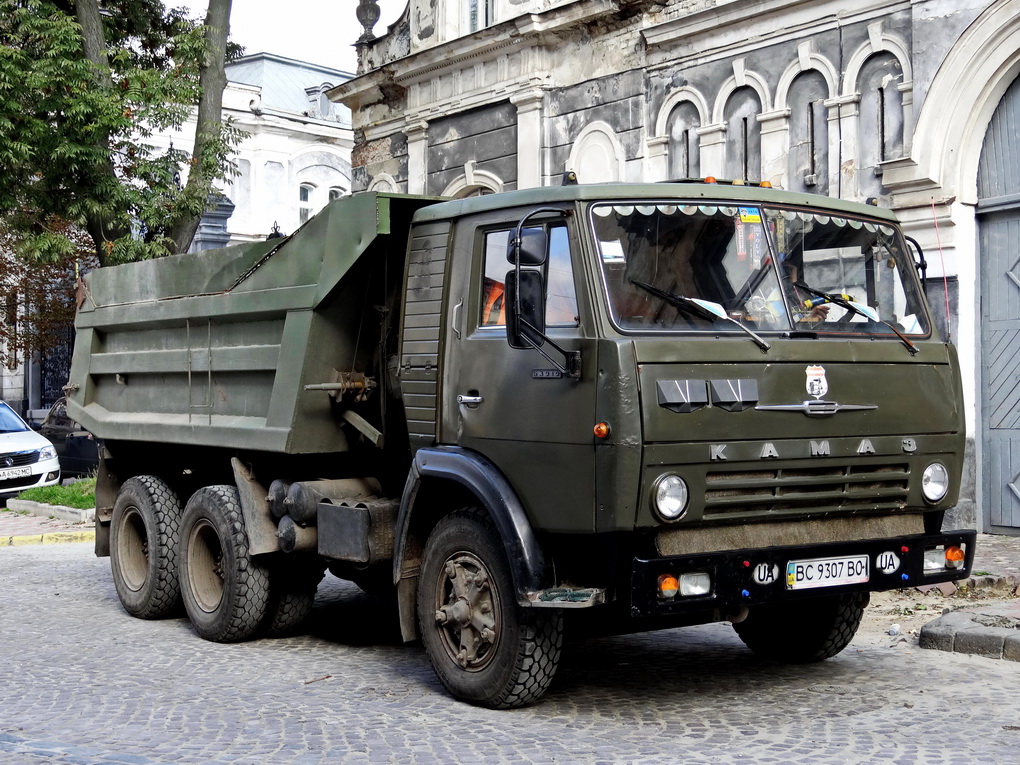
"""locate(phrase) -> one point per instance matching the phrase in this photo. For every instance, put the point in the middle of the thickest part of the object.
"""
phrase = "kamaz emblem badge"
(817, 385)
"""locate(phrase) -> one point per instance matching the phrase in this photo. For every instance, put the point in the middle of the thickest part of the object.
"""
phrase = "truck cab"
(708, 401)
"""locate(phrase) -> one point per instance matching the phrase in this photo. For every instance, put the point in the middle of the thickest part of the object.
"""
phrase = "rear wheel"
(292, 587)
(225, 590)
(484, 648)
(803, 631)
(144, 535)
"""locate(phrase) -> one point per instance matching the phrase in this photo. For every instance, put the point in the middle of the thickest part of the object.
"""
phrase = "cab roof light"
(722, 181)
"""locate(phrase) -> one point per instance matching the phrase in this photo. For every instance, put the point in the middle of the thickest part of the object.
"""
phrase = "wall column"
(775, 146)
(529, 137)
(417, 147)
(657, 159)
(846, 153)
(712, 142)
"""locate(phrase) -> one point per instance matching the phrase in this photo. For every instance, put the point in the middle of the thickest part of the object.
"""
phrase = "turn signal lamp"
(668, 586)
(602, 430)
(954, 557)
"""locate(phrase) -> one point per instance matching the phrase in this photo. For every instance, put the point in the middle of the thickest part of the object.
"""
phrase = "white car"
(27, 460)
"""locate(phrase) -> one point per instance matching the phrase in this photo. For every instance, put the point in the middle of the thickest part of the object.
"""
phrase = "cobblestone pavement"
(85, 683)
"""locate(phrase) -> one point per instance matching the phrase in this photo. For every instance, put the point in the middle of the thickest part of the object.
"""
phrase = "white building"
(913, 102)
(296, 155)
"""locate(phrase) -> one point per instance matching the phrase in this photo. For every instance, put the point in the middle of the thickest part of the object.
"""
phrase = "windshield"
(771, 269)
(9, 421)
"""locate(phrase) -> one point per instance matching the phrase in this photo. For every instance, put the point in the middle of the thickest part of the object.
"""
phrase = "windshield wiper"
(704, 309)
(861, 310)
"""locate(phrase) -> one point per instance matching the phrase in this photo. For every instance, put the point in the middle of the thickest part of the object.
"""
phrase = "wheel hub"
(466, 615)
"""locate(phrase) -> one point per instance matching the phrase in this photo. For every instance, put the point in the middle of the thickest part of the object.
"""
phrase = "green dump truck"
(606, 408)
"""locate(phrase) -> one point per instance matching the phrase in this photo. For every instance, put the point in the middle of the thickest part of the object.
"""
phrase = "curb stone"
(53, 537)
(992, 636)
(70, 514)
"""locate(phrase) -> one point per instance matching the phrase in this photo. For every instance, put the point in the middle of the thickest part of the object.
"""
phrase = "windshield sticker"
(750, 215)
(612, 251)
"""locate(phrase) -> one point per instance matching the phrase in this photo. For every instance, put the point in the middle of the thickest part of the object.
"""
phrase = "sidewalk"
(19, 529)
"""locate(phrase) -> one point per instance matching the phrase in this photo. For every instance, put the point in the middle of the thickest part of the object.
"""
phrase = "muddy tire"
(292, 586)
(225, 591)
(484, 648)
(144, 536)
(803, 631)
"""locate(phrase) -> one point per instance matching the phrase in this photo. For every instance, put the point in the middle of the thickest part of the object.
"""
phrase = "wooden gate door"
(999, 242)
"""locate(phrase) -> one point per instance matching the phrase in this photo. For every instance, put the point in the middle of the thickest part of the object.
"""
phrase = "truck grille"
(799, 489)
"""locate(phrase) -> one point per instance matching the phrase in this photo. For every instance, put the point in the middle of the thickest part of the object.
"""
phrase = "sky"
(318, 31)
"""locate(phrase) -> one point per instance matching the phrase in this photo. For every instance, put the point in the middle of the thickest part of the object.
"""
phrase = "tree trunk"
(100, 229)
(213, 80)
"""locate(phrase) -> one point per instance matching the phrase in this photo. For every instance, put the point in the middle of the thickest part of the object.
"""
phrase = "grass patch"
(80, 494)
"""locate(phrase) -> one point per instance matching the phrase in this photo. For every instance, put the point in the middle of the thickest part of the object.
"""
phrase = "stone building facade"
(915, 103)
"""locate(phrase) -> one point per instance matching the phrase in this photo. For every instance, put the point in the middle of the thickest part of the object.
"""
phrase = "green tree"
(83, 84)
(38, 301)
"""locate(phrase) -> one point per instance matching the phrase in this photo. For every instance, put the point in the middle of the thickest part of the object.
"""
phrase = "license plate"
(826, 572)
(18, 472)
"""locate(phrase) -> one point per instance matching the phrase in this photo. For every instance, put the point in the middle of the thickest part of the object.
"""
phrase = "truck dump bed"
(215, 348)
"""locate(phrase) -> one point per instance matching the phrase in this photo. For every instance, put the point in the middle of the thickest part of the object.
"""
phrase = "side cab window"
(561, 298)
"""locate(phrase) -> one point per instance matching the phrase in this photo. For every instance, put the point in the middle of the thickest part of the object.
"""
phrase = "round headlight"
(935, 482)
(671, 495)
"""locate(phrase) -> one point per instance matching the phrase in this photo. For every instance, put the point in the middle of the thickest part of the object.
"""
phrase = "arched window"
(335, 193)
(743, 144)
(684, 146)
(306, 207)
(808, 168)
(881, 118)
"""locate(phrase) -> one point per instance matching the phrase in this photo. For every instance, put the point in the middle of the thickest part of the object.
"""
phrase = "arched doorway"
(998, 218)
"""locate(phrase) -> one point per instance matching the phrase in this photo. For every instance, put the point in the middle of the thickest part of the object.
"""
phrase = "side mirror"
(530, 251)
(525, 328)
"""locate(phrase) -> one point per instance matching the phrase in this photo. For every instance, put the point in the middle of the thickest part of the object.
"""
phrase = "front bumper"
(45, 473)
(748, 577)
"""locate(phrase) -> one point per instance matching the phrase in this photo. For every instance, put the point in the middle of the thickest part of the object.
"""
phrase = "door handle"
(469, 400)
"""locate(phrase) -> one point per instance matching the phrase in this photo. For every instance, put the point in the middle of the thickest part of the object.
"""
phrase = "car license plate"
(826, 572)
(18, 472)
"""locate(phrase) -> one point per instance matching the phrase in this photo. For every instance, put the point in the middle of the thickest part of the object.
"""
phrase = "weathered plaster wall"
(617, 100)
(486, 136)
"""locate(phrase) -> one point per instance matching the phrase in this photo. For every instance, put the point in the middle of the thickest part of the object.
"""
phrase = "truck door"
(513, 406)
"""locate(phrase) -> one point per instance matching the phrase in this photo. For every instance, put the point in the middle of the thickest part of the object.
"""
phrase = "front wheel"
(225, 590)
(803, 631)
(483, 647)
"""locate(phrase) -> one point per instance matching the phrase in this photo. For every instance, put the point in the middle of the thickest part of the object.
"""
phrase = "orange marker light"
(668, 586)
(710, 179)
(766, 184)
(602, 430)
(954, 557)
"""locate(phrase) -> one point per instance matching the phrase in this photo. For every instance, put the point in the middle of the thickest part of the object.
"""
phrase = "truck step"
(567, 597)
